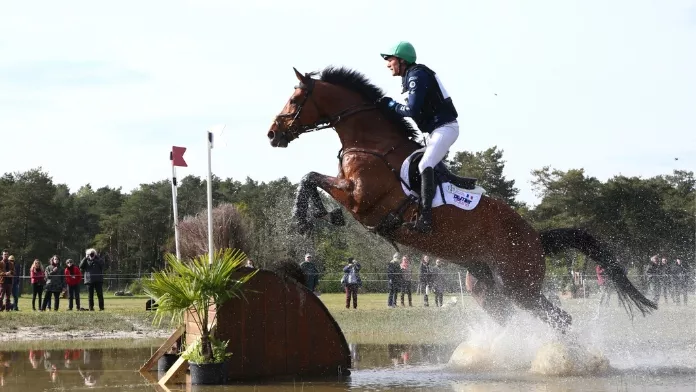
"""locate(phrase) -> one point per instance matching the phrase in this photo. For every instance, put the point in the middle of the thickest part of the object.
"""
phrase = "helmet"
(403, 50)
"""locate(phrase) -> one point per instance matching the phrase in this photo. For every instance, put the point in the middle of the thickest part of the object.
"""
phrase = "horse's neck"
(372, 134)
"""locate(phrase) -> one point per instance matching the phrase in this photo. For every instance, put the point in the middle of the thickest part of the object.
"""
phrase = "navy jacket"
(428, 103)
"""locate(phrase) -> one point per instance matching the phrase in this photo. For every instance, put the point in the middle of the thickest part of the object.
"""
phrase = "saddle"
(442, 175)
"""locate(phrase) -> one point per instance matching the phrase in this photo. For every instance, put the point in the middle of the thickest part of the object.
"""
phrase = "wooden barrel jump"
(281, 330)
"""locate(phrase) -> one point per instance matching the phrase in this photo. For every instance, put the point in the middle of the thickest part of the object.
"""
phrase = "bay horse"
(503, 253)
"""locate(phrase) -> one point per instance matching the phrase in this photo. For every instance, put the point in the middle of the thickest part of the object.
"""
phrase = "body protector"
(428, 103)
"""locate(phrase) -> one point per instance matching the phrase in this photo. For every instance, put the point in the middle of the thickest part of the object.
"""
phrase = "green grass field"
(372, 322)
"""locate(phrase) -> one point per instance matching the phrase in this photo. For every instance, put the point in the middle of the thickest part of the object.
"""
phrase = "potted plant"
(194, 287)
(169, 358)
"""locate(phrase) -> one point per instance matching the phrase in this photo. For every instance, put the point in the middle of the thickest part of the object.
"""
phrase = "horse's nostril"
(271, 135)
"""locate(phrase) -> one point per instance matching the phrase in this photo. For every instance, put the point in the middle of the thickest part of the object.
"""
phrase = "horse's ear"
(300, 77)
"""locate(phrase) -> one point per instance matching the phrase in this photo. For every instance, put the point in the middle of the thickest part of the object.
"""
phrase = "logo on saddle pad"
(460, 196)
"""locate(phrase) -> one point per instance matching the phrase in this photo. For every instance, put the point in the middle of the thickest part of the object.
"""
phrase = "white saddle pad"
(466, 199)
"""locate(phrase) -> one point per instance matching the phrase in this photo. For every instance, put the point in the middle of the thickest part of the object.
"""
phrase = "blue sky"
(98, 92)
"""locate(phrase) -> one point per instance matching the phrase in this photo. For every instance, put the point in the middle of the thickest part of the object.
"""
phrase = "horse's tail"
(559, 239)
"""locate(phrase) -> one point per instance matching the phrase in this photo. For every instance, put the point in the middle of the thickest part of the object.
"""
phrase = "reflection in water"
(38, 369)
(372, 356)
(394, 367)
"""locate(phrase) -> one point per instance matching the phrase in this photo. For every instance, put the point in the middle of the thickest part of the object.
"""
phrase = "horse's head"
(299, 115)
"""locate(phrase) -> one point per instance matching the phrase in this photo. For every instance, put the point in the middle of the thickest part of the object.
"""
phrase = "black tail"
(559, 239)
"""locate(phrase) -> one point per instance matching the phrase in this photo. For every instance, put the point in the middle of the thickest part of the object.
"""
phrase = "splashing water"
(525, 344)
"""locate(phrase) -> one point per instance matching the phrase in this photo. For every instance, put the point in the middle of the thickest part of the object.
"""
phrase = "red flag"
(178, 156)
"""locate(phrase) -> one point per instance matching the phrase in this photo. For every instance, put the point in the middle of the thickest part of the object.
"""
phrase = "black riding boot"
(425, 220)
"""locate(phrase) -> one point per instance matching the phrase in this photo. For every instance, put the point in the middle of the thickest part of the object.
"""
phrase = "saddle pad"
(462, 198)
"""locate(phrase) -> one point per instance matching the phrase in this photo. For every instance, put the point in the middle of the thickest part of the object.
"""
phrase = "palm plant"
(194, 287)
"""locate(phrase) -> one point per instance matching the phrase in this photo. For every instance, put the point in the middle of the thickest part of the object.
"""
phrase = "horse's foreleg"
(479, 281)
(307, 191)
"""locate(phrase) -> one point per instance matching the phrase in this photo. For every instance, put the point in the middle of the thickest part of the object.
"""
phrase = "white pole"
(176, 211)
(461, 287)
(210, 198)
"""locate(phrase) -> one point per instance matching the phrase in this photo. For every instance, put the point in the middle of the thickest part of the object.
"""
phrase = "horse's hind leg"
(482, 287)
(547, 312)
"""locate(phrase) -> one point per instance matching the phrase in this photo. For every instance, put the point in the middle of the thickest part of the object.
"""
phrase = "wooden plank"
(152, 381)
(230, 329)
(254, 344)
(163, 349)
(274, 362)
(180, 365)
(306, 318)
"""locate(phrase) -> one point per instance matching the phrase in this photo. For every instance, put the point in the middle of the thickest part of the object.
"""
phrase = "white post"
(176, 211)
(210, 198)
(461, 287)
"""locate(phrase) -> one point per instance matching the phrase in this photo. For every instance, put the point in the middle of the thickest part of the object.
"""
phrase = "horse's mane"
(358, 83)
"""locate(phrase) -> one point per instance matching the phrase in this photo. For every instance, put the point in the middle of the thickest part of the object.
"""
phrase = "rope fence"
(582, 285)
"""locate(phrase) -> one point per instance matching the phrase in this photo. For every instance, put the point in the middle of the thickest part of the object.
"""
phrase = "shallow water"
(654, 353)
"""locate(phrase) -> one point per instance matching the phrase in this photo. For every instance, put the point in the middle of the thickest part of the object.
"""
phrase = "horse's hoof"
(336, 217)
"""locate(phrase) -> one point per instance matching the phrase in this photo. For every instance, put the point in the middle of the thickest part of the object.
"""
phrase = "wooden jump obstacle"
(281, 330)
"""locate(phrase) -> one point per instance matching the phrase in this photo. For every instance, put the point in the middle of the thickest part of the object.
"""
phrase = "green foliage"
(195, 286)
(194, 352)
(136, 287)
(639, 217)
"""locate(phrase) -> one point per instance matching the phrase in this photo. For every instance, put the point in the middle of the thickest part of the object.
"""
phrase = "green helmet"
(403, 50)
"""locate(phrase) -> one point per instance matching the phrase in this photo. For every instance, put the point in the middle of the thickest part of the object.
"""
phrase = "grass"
(121, 314)
(372, 322)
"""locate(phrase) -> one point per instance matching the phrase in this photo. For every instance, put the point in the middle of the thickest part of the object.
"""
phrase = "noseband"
(294, 130)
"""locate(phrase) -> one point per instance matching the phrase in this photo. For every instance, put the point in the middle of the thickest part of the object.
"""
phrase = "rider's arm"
(417, 86)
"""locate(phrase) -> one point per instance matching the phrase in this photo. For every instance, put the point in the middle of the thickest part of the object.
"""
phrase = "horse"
(502, 252)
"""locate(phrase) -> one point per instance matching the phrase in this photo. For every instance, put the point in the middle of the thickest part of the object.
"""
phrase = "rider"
(429, 105)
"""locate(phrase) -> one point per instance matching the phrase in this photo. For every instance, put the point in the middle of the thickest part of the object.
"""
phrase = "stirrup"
(420, 226)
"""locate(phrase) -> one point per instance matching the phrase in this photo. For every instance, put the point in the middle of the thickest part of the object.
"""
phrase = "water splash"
(526, 344)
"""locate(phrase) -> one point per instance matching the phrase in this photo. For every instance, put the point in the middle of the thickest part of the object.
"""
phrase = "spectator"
(73, 277)
(92, 267)
(603, 284)
(406, 277)
(6, 272)
(665, 279)
(653, 274)
(680, 276)
(38, 279)
(351, 281)
(311, 272)
(54, 284)
(16, 281)
(394, 280)
(425, 278)
(438, 279)
(250, 263)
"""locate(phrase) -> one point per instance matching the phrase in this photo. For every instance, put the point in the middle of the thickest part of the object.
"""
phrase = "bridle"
(324, 121)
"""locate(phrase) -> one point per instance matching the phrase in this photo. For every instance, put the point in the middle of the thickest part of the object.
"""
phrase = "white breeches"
(438, 143)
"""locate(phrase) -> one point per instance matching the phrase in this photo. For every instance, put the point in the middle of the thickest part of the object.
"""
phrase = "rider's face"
(394, 66)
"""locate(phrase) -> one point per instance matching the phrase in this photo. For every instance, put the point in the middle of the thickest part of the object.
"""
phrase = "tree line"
(638, 217)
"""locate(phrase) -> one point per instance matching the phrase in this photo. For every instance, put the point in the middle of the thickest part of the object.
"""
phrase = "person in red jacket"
(38, 279)
(73, 276)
